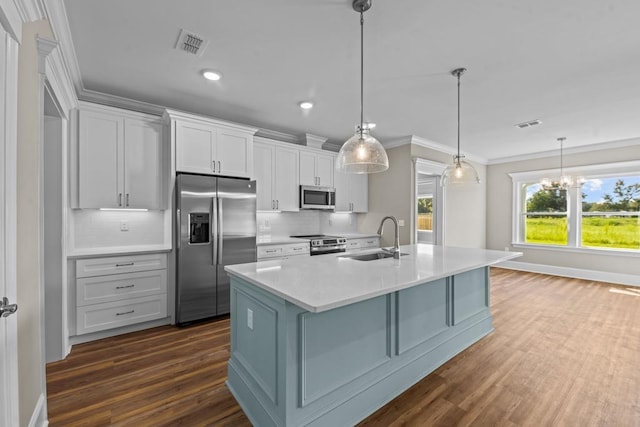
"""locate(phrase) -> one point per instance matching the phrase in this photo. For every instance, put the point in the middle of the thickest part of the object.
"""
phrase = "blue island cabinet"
(292, 367)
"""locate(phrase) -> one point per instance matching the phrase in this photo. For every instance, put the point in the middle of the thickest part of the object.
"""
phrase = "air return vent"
(191, 43)
(528, 124)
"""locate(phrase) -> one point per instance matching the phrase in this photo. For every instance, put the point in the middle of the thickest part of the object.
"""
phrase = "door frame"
(435, 169)
(10, 26)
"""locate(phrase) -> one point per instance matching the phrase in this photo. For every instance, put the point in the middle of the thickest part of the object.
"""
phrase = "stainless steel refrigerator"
(217, 218)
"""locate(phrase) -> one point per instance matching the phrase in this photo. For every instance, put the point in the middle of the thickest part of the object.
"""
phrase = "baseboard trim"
(39, 416)
(575, 273)
(94, 336)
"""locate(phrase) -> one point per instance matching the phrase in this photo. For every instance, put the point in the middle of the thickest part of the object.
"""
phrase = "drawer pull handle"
(297, 249)
(125, 264)
(125, 287)
(270, 251)
(126, 312)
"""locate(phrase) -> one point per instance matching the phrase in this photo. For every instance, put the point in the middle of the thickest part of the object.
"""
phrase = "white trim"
(567, 151)
(39, 415)
(80, 339)
(54, 69)
(8, 220)
(10, 19)
(597, 170)
(120, 102)
(579, 249)
(574, 273)
(278, 136)
(423, 142)
(435, 169)
(30, 10)
(196, 118)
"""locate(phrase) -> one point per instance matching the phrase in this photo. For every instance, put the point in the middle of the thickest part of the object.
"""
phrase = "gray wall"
(500, 202)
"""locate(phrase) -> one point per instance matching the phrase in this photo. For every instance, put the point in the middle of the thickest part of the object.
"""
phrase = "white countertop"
(324, 282)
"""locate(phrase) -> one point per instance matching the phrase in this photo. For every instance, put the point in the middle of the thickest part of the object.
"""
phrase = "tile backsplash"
(305, 222)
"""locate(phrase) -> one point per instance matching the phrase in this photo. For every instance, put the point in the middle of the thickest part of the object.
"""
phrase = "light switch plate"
(401, 223)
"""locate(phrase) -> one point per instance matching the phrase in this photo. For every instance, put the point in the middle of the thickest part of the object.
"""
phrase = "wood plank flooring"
(565, 352)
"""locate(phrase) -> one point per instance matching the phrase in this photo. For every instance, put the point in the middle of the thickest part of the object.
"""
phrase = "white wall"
(500, 203)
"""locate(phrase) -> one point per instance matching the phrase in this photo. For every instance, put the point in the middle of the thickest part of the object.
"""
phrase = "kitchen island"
(327, 340)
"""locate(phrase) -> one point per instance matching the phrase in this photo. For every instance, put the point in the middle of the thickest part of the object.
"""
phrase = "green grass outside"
(623, 233)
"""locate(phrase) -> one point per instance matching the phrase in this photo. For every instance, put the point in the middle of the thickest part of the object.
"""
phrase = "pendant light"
(564, 182)
(461, 171)
(362, 153)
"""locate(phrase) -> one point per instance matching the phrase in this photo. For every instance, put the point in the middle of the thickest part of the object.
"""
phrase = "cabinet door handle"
(127, 200)
(213, 166)
(273, 204)
(125, 264)
(119, 199)
(277, 204)
(125, 287)
(126, 312)
(219, 167)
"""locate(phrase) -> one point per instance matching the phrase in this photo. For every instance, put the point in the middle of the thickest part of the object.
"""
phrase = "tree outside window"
(425, 213)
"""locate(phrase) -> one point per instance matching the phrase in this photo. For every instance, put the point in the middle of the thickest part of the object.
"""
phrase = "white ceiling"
(573, 64)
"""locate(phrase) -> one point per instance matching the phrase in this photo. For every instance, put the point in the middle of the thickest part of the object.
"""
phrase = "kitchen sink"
(371, 256)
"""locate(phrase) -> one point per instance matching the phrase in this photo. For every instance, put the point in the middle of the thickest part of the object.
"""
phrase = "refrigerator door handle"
(214, 232)
(178, 228)
(220, 230)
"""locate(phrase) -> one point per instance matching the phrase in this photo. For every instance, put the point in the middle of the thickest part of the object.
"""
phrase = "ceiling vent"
(528, 124)
(191, 43)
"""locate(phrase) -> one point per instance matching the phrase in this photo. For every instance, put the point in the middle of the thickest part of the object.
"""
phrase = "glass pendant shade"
(362, 153)
(565, 181)
(460, 172)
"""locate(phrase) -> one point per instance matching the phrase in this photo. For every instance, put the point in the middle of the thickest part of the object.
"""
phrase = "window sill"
(592, 251)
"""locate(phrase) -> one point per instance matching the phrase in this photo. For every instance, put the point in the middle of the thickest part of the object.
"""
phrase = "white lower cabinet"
(363, 243)
(112, 292)
(283, 251)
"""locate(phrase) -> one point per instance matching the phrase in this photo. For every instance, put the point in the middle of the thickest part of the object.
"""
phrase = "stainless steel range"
(322, 244)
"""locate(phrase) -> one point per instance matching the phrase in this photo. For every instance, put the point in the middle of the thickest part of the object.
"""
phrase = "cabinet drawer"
(373, 242)
(98, 317)
(270, 252)
(297, 249)
(115, 287)
(124, 264)
(353, 244)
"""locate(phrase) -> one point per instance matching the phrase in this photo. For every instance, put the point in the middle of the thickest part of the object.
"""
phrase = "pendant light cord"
(459, 117)
(361, 71)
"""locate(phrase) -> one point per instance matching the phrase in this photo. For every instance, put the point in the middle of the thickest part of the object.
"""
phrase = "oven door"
(317, 197)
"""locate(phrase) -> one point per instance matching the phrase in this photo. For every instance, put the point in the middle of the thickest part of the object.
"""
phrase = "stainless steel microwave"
(312, 197)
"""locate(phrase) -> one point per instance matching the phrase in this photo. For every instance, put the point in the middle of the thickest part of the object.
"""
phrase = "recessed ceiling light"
(306, 105)
(212, 75)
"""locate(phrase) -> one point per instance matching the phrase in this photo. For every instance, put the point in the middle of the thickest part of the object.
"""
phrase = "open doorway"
(424, 216)
(53, 219)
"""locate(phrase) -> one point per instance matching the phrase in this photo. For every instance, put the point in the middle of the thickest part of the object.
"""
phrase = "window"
(425, 213)
(599, 213)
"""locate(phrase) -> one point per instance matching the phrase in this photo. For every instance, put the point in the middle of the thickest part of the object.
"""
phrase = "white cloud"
(593, 184)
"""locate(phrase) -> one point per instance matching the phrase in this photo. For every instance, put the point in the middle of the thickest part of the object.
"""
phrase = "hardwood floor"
(565, 352)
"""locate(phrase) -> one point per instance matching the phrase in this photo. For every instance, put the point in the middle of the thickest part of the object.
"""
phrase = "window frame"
(574, 205)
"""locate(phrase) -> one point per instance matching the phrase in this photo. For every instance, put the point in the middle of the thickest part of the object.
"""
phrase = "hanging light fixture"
(362, 153)
(461, 171)
(564, 182)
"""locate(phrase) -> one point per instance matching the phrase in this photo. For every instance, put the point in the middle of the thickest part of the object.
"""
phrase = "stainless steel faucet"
(396, 249)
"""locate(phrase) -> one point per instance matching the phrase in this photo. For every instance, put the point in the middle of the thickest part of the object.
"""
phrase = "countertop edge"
(358, 298)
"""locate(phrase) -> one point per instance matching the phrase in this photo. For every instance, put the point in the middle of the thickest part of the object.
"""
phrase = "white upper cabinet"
(351, 192)
(316, 168)
(276, 174)
(209, 146)
(120, 159)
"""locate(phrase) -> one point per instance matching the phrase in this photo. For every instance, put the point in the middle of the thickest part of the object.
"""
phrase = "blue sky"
(595, 188)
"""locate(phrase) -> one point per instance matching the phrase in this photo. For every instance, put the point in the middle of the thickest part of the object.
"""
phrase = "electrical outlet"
(401, 223)
(124, 226)
(250, 319)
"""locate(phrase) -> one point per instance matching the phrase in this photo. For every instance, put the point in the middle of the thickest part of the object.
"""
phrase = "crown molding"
(120, 102)
(330, 146)
(621, 143)
(11, 19)
(57, 16)
(30, 10)
(278, 136)
(51, 64)
(427, 143)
